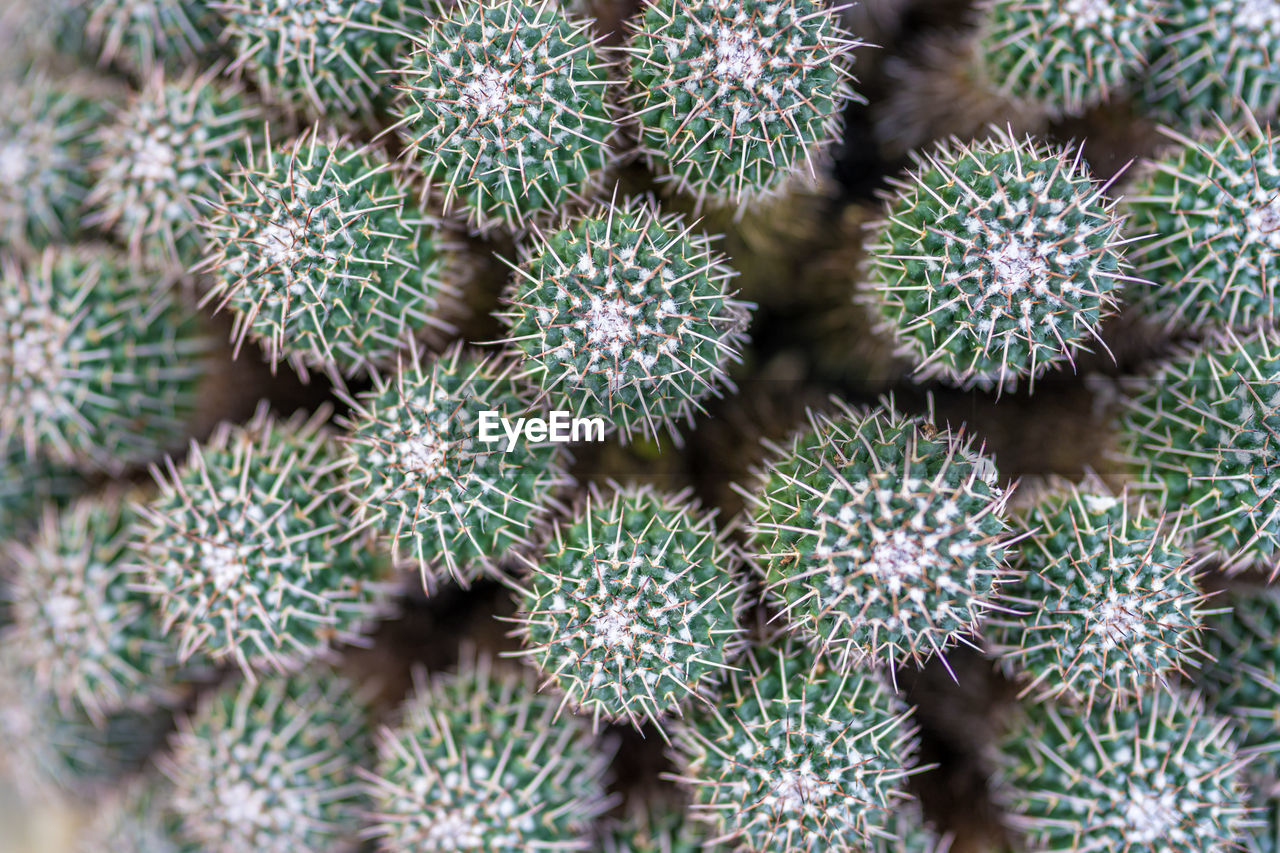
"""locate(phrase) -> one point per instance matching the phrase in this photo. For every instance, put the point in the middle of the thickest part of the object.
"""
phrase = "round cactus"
(730, 98)
(1065, 56)
(1201, 434)
(271, 766)
(250, 549)
(158, 156)
(481, 762)
(100, 363)
(1212, 211)
(625, 313)
(323, 258)
(452, 504)
(1159, 776)
(881, 537)
(143, 35)
(1107, 606)
(994, 262)
(796, 755)
(505, 106)
(632, 609)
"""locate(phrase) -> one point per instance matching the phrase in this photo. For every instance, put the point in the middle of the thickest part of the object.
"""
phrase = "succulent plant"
(158, 157)
(796, 755)
(1200, 433)
(881, 537)
(100, 363)
(657, 824)
(250, 550)
(1107, 606)
(453, 504)
(505, 106)
(1211, 208)
(480, 761)
(324, 259)
(144, 35)
(1161, 775)
(632, 609)
(136, 818)
(625, 313)
(1264, 835)
(994, 262)
(730, 98)
(271, 766)
(27, 484)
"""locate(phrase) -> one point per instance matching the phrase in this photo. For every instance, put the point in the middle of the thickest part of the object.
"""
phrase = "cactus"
(26, 486)
(796, 755)
(505, 106)
(158, 156)
(657, 824)
(730, 98)
(271, 766)
(1107, 607)
(994, 262)
(137, 818)
(144, 35)
(625, 313)
(1211, 208)
(633, 608)
(1200, 434)
(480, 761)
(451, 504)
(100, 363)
(881, 537)
(323, 258)
(1161, 775)
(250, 550)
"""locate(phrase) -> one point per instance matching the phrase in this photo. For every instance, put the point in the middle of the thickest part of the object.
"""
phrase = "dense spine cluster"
(881, 537)
(143, 35)
(632, 610)
(995, 261)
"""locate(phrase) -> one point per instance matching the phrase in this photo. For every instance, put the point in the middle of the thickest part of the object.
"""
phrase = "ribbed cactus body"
(143, 35)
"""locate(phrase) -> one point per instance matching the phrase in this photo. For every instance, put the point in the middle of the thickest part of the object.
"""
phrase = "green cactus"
(144, 35)
(881, 537)
(655, 824)
(632, 609)
(452, 504)
(28, 484)
(625, 313)
(324, 259)
(994, 262)
(505, 106)
(480, 761)
(729, 98)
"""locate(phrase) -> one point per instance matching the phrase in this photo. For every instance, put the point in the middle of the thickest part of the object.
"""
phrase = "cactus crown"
(250, 549)
(504, 103)
(995, 261)
(481, 761)
(1215, 204)
(632, 609)
(143, 35)
(733, 96)
(626, 313)
(881, 537)
(99, 362)
(452, 504)
(323, 258)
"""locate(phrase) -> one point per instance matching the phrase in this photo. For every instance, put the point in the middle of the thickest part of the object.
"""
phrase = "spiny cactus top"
(142, 35)
(504, 104)
(733, 96)
(1065, 55)
(158, 155)
(995, 261)
(626, 313)
(1217, 58)
(480, 761)
(881, 537)
(796, 756)
(323, 258)
(1212, 210)
(452, 504)
(632, 609)
(100, 362)
(271, 766)
(1203, 433)
(1161, 775)
(1108, 605)
(251, 550)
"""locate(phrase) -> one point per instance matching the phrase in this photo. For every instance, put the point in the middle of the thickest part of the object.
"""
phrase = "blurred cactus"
(143, 35)
(137, 819)
(27, 484)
